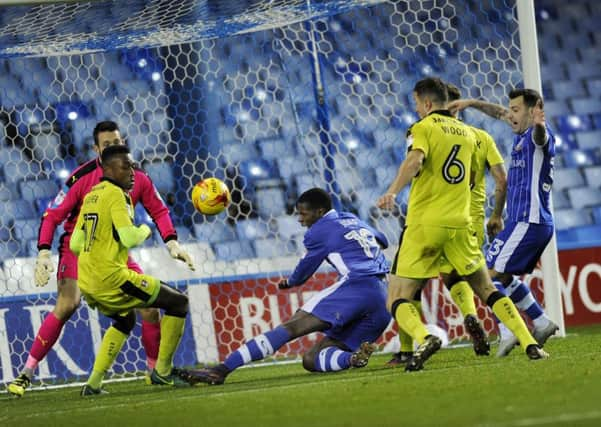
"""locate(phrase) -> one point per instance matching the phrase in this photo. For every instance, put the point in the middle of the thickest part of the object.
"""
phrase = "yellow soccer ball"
(211, 196)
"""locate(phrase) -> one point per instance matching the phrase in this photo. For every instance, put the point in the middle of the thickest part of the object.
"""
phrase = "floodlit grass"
(455, 389)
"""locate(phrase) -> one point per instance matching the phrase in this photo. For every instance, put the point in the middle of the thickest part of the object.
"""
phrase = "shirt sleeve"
(493, 156)
(418, 139)
(156, 208)
(316, 252)
(64, 203)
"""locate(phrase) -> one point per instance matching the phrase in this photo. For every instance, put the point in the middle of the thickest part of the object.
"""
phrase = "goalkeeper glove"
(43, 267)
(176, 251)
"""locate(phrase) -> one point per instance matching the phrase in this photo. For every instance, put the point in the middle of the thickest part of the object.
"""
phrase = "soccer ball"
(211, 196)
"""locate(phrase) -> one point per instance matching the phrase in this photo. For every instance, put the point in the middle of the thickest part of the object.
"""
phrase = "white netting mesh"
(200, 89)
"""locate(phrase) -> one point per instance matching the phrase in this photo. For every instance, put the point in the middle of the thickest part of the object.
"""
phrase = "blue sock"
(258, 348)
(331, 359)
(522, 297)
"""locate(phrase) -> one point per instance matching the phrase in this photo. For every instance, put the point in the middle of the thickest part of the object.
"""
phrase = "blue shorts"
(356, 309)
(518, 247)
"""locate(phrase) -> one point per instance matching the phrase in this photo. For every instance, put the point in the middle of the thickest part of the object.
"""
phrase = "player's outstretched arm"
(132, 236)
(540, 129)
(495, 111)
(407, 171)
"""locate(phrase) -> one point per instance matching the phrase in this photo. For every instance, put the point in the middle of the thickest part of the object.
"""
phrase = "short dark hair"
(433, 88)
(531, 96)
(316, 198)
(453, 92)
(105, 126)
(111, 151)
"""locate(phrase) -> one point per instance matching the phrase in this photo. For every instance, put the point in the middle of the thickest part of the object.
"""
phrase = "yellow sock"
(508, 314)
(111, 344)
(463, 297)
(172, 329)
(409, 320)
(404, 338)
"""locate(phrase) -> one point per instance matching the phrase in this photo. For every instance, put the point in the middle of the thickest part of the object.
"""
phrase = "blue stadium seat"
(580, 158)
(552, 71)
(7, 192)
(82, 130)
(9, 249)
(214, 231)
(560, 200)
(26, 229)
(556, 108)
(570, 218)
(131, 88)
(15, 209)
(253, 228)
(270, 201)
(234, 251)
(161, 174)
(568, 89)
(288, 226)
(573, 123)
(272, 248)
(594, 87)
(584, 197)
(32, 190)
(567, 178)
(306, 181)
(593, 176)
(589, 140)
(234, 153)
(257, 169)
(596, 212)
(590, 234)
(26, 169)
(276, 148)
(290, 167)
(45, 146)
(583, 70)
(184, 234)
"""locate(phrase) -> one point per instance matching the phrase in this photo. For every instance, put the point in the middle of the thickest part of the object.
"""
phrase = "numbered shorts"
(478, 225)
(422, 247)
(67, 261)
(356, 309)
(122, 294)
(518, 247)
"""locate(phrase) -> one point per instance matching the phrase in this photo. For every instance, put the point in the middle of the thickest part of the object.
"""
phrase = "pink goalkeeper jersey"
(67, 203)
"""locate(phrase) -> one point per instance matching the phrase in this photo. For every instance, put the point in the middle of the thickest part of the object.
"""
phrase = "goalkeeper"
(65, 208)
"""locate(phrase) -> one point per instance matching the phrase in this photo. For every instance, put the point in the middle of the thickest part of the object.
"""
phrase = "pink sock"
(151, 338)
(47, 335)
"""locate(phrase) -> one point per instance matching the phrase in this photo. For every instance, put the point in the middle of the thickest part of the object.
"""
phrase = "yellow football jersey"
(105, 209)
(440, 194)
(487, 156)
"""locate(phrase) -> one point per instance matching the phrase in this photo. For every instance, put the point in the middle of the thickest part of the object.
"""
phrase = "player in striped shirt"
(529, 224)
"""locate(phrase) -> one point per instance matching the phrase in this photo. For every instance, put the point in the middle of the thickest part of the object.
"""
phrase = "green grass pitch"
(455, 389)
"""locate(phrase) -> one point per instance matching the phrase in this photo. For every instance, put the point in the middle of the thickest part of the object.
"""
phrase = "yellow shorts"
(124, 292)
(422, 247)
(478, 225)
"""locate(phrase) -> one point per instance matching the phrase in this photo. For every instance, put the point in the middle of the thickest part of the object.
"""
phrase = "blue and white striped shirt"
(350, 245)
(530, 179)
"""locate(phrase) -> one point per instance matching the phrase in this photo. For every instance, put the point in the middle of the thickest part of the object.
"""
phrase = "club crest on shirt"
(144, 283)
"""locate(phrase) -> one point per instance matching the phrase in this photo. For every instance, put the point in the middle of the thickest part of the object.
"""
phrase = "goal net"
(273, 97)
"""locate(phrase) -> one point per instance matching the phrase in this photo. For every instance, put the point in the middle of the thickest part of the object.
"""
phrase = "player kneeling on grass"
(103, 234)
(351, 312)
